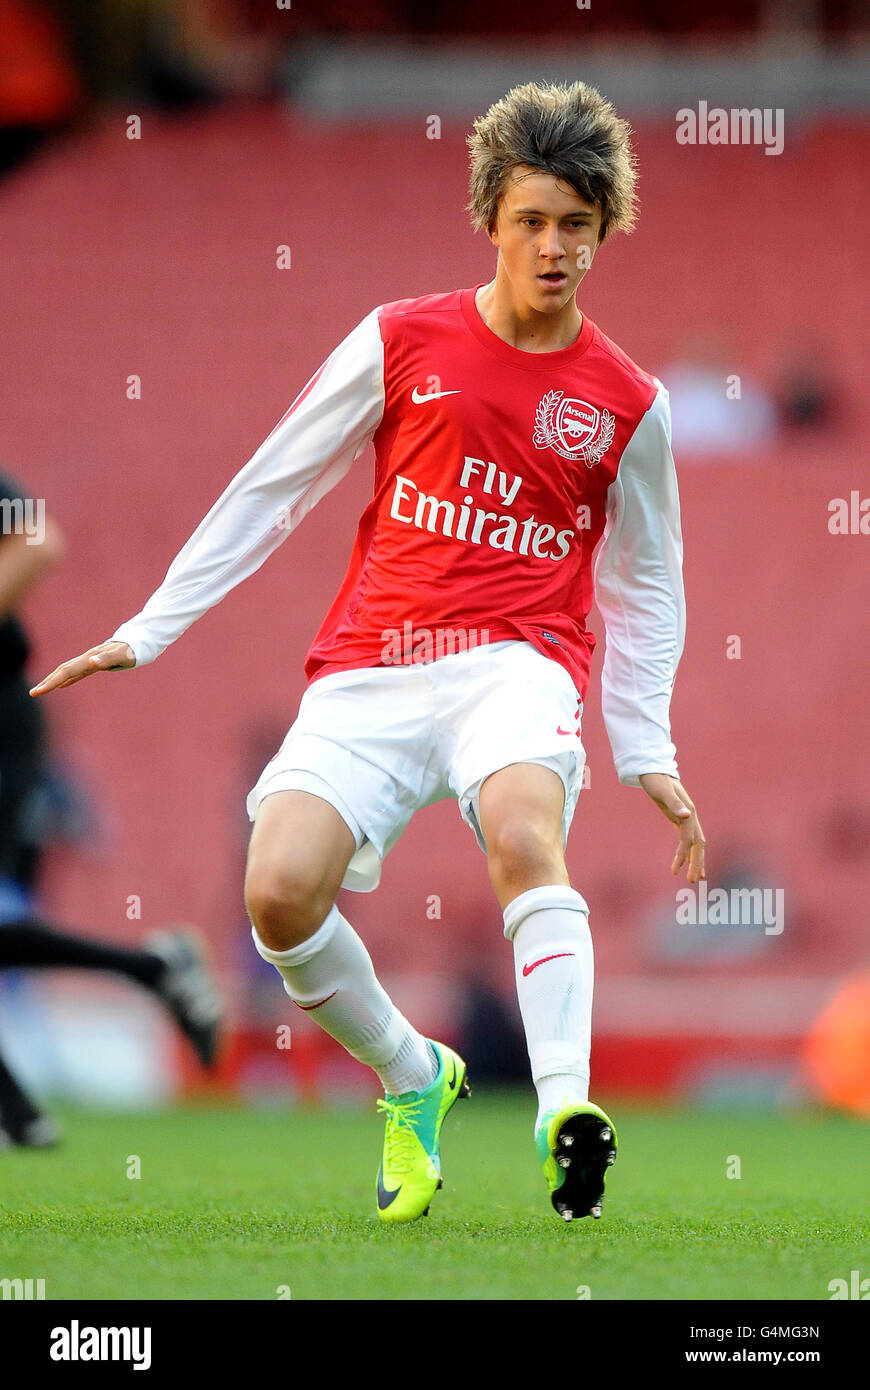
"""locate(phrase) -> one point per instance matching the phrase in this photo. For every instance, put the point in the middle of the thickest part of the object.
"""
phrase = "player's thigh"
(520, 810)
(298, 854)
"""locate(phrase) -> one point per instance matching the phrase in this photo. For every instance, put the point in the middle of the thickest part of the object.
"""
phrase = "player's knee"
(522, 849)
(285, 907)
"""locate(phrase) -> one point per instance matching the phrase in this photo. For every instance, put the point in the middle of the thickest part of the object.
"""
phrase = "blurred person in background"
(40, 89)
(808, 396)
(170, 966)
(62, 60)
(170, 53)
(715, 411)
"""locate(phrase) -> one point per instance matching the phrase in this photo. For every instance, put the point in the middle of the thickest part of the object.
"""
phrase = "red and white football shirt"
(497, 472)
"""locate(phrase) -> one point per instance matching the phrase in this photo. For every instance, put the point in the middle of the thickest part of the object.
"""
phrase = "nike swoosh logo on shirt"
(452, 1082)
(432, 395)
(527, 969)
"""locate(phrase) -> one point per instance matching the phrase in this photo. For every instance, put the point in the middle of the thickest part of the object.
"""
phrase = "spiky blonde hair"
(572, 132)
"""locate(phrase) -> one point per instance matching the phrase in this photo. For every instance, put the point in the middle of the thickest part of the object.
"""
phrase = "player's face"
(547, 236)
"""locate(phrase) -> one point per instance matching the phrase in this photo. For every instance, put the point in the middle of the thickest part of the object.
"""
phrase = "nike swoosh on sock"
(309, 1007)
(527, 969)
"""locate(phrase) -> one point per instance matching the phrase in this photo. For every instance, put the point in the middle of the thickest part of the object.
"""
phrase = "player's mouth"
(557, 279)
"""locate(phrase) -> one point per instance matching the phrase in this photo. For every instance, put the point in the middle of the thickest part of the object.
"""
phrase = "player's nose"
(551, 244)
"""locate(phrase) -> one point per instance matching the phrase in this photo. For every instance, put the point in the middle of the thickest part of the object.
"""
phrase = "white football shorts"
(381, 742)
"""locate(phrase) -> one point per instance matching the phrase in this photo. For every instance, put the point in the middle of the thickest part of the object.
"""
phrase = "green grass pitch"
(252, 1204)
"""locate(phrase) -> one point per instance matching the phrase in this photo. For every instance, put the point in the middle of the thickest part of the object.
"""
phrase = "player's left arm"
(674, 801)
(639, 589)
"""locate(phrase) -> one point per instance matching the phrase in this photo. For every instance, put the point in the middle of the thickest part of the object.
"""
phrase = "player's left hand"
(672, 798)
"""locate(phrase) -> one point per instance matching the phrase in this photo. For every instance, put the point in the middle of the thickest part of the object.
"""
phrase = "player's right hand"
(108, 656)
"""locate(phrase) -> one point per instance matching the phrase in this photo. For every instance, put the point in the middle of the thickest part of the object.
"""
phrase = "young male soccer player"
(510, 436)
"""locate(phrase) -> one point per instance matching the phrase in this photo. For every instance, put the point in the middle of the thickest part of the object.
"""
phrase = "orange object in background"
(39, 86)
(836, 1053)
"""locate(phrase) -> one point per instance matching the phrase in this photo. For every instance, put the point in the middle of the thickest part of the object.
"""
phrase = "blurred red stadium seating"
(158, 258)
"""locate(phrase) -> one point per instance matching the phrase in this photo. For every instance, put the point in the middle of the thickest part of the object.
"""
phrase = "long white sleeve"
(328, 425)
(639, 589)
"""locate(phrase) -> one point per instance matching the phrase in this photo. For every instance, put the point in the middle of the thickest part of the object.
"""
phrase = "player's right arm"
(329, 424)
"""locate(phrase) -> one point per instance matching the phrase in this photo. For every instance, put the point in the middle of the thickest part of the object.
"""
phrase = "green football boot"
(576, 1145)
(410, 1173)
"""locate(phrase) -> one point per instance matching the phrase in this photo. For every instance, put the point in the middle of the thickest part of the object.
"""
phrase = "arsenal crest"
(575, 429)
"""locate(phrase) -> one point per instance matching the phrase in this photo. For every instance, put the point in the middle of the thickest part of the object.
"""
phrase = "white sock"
(549, 928)
(332, 978)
